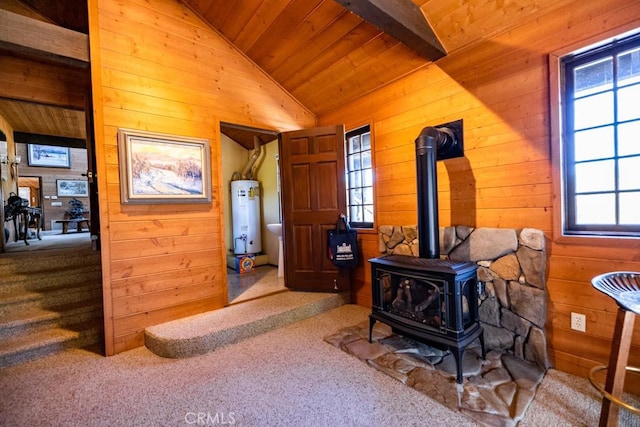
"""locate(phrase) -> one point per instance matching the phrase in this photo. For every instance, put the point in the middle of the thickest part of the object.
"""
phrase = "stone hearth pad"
(495, 392)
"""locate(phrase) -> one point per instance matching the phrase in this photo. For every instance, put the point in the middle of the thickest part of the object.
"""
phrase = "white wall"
(270, 206)
(235, 157)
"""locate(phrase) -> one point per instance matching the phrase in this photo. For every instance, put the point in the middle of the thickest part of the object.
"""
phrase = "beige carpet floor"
(51, 240)
(286, 377)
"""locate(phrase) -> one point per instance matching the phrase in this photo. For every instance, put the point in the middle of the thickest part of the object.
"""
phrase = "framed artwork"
(72, 188)
(48, 156)
(160, 168)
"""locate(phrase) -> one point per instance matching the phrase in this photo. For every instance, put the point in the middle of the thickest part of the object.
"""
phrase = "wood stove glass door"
(413, 297)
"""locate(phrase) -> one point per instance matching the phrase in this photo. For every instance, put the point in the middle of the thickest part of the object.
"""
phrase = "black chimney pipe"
(429, 143)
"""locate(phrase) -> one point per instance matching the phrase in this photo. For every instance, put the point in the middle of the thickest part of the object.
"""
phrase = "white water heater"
(245, 208)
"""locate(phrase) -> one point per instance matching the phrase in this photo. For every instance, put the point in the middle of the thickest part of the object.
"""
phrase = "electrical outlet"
(578, 322)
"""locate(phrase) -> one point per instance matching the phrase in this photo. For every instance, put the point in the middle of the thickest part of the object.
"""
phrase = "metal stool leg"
(617, 366)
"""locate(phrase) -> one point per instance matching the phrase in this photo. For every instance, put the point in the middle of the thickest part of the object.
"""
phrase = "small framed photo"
(159, 168)
(72, 188)
(48, 156)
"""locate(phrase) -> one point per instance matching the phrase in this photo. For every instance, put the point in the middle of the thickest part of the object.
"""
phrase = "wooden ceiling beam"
(29, 36)
(401, 19)
(43, 83)
(70, 14)
(59, 141)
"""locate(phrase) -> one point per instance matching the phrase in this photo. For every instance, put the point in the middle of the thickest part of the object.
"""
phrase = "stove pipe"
(429, 144)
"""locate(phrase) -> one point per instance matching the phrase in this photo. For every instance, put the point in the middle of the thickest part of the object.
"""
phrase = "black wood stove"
(427, 298)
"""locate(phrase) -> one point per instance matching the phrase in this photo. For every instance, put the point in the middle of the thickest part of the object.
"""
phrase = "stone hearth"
(496, 392)
(512, 309)
(511, 273)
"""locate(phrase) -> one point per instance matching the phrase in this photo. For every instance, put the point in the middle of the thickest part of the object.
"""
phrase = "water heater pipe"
(255, 154)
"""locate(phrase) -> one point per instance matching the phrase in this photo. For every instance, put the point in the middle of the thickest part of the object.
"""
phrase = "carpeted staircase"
(49, 301)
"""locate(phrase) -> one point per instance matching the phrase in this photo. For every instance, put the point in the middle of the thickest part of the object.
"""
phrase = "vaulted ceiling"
(326, 56)
(319, 51)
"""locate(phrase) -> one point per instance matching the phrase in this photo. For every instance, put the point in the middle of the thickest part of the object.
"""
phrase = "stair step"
(43, 279)
(13, 303)
(35, 345)
(205, 332)
(50, 300)
(37, 319)
(18, 263)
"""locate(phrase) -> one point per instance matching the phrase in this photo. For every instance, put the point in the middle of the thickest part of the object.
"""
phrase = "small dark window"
(359, 170)
(601, 140)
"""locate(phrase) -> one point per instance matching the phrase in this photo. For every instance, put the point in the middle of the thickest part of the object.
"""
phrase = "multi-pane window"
(601, 148)
(359, 177)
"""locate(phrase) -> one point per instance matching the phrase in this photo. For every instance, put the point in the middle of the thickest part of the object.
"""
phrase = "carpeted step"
(18, 264)
(14, 303)
(41, 280)
(208, 331)
(49, 301)
(35, 345)
(36, 319)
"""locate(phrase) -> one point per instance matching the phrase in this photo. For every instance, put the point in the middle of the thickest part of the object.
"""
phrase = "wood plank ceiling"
(326, 56)
(43, 119)
(317, 50)
(320, 52)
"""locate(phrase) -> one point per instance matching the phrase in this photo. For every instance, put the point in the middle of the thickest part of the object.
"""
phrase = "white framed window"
(600, 140)
(359, 171)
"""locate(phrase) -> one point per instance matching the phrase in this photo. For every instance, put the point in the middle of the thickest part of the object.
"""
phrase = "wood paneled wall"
(157, 67)
(500, 89)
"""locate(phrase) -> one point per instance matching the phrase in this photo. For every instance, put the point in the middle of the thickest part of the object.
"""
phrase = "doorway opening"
(53, 182)
(250, 156)
(29, 188)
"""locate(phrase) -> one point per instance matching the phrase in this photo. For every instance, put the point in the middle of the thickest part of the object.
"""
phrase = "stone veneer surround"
(512, 274)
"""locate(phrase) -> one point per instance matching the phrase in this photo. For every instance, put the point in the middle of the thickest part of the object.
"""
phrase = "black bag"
(343, 244)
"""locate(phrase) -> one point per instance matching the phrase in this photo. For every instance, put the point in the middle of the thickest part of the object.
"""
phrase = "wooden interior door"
(312, 174)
